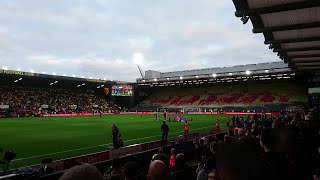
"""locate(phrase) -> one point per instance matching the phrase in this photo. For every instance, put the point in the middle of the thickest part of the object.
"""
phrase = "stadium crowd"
(35, 102)
(280, 147)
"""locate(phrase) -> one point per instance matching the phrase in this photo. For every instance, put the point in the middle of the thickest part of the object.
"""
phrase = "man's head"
(158, 171)
(131, 170)
(164, 122)
(180, 161)
(200, 165)
(266, 139)
(213, 147)
(241, 132)
(173, 151)
(82, 173)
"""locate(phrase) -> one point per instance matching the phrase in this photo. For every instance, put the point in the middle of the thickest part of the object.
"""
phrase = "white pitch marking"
(31, 157)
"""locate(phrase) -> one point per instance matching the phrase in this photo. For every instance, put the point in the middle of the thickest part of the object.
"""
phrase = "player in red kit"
(186, 128)
(217, 123)
(228, 121)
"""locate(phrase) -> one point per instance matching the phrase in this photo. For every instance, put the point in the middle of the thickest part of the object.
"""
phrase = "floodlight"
(82, 77)
(214, 75)
(31, 70)
(244, 19)
(43, 72)
(168, 78)
(104, 79)
(90, 77)
(138, 58)
(155, 79)
(266, 70)
(111, 80)
(64, 75)
(54, 73)
(230, 74)
(197, 76)
(18, 69)
(5, 68)
(248, 72)
(181, 77)
(73, 75)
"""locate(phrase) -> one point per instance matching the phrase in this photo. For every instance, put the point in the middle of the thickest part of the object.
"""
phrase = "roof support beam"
(303, 56)
(286, 27)
(292, 40)
(297, 49)
(279, 8)
(307, 64)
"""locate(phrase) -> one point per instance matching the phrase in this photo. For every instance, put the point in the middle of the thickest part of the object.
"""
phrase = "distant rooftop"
(216, 72)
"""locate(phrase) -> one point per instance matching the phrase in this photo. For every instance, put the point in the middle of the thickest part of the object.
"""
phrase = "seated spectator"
(241, 133)
(83, 172)
(158, 171)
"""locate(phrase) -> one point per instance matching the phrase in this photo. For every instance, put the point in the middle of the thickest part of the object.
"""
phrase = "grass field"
(34, 139)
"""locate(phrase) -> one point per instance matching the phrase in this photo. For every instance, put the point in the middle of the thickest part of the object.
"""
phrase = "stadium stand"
(274, 95)
(30, 102)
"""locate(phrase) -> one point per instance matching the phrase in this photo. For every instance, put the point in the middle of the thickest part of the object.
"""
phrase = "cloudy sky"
(99, 38)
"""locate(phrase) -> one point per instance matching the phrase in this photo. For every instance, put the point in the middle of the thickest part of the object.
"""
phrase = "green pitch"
(34, 139)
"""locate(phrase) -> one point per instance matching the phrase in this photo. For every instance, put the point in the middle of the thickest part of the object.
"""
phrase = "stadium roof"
(290, 27)
(260, 71)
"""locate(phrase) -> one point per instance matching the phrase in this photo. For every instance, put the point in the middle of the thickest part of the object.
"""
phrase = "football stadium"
(233, 122)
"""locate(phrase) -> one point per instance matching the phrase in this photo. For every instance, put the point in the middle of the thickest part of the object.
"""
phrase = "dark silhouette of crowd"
(260, 147)
(32, 102)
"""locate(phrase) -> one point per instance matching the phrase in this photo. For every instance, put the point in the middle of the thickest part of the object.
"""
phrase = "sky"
(100, 38)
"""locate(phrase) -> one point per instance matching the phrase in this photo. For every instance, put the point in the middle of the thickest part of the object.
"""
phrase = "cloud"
(98, 38)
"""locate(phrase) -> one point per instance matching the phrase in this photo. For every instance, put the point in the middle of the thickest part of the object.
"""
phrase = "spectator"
(115, 169)
(158, 171)
(201, 174)
(131, 171)
(172, 158)
(182, 171)
(83, 172)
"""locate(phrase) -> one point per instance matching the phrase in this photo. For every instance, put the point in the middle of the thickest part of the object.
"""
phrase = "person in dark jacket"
(165, 132)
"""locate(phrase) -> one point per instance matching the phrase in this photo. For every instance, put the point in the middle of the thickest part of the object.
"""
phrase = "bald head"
(158, 171)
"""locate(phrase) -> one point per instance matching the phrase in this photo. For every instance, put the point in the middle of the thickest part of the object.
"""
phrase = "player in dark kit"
(165, 132)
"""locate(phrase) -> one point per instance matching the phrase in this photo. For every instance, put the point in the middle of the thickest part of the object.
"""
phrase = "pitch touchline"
(31, 157)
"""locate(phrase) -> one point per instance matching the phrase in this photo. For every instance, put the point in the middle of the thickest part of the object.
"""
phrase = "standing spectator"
(186, 128)
(131, 171)
(201, 174)
(83, 172)
(182, 171)
(172, 158)
(115, 169)
(217, 123)
(165, 132)
(158, 171)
